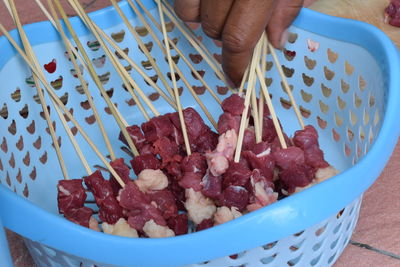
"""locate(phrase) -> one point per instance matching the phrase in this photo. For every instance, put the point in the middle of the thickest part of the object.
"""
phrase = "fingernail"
(284, 38)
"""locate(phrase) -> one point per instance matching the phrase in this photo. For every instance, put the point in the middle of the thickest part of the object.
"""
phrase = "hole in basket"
(289, 55)
(1, 167)
(268, 260)
(308, 80)
(371, 136)
(335, 135)
(366, 117)
(337, 228)
(324, 108)
(295, 247)
(217, 43)
(54, 127)
(199, 89)
(141, 30)
(287, 71)
(357, 101)
(99, 62)
(334, 243)
(19, 176)
(154, 96)
(285, 103)
(177, 77)
(299, 233)
(12, 161)
(353, 118)
(317, 246)
(93, 45)
(8, 179)
(292, 37)
(74, 72)
(85, 105)
(329, 74)
(320, 231)
(332, 56)
(174, 59)
(350, 134)
(306, 97)
(330, 260)
(371, 100)
(349, 69)
(79, 88)
(148, 46)
(31, 127)
(268, 81)
(218, 58)
(169, 26)
(43, 158)
(326, 91)
(359, 151)
(26, 191)
(361, 83)
(42, 113)
(57, 83)
(30, 82)
(306, 113)
(316, 260)
(269, 65)
(4, 145)
(74, 130)
(16, 96)
(310, 63)
(118, 36)
(147, 65)
(20, 143)
(294, 261)
(104, 78)
(130, 102)
(341, 103)
(4, 111)
(362, 134)
(222, 90)
(12, 128)
(376, 118)
(344, 86)
(196, 58)
(200, 72)
(284, 88)
(270, 245)
(27, 159)
(153, 78)
(64, 99)
(90, 120)
(321, 123)
(347, 150)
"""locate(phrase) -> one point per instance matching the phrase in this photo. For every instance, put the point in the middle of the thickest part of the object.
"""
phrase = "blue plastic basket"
(351, 96)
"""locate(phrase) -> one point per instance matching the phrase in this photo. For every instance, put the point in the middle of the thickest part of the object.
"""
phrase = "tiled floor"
(376, 240)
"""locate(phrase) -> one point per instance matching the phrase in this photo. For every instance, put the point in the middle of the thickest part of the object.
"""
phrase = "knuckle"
(236, 41)
(210, 30)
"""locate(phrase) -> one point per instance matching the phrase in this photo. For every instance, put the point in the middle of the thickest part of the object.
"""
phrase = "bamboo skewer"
(264, 70)
(249, 91)
(271, 107)
(39, 73)
(187, 84)
(190, 39)
(245, 77)
(82, 80)
(143, 47)
(12, 10)
(171, 67)
(286, 85)
(118, 67)
(97, 80)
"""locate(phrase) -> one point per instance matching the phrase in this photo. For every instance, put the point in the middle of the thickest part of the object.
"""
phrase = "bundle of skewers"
(189, 176)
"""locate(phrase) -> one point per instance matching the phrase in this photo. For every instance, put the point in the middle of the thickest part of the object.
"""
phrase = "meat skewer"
(15, 17)
(171, 67)
(185, 81)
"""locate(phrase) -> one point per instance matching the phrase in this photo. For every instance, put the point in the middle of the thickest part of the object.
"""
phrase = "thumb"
(284, 14)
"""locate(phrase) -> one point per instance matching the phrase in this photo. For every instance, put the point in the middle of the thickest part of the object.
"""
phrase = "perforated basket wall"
(340, 94)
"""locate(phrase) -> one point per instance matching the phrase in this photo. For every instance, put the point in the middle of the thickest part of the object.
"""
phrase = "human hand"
(239, 24)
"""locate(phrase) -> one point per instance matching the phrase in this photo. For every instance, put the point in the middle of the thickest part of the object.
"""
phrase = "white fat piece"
(154, 230)
(198, 206)
(63, 190)
(225, 214)
(151, 180)
(120, 228)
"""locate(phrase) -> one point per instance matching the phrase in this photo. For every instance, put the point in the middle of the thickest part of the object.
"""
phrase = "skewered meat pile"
(175, 193)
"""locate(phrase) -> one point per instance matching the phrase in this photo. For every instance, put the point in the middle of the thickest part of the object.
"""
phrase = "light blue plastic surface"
(279, 220)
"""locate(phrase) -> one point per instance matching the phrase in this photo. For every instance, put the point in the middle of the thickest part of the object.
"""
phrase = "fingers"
(284, 14)
(213, 16)
(243, 28)
(188, 10)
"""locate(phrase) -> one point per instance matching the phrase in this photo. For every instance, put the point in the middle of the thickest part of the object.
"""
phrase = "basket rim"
(289, 215)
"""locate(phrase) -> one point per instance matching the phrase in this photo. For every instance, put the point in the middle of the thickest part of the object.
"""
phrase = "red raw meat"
(205, 224)
(392, 13)
(195, 125)
(235, 196)
(71, 195)
(142, 162)
(122, 170)
(306, 138)
(212, 186)
(179, 194)
(165, 201)
(191, 180)
(263, 161)
(99, 186)
(258, 176)
(157, 127)
(110, 211)
(285, 158)
(296, 176)
(174, 168)
(314, 157)
(237, 174)
(166, 148)
(177, 136)
(131, 198)
(249, 139)
(227, 122)
(138, 218)
(136, 135)
(268, 130)
(196, 162)
(233, 104)
(179, 224)
(79, 216)
(207, 141)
